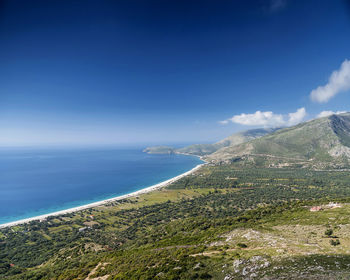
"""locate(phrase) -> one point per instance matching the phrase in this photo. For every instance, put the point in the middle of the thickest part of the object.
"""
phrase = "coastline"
(105, 201)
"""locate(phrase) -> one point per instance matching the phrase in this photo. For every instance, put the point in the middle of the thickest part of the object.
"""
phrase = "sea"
(38, 181)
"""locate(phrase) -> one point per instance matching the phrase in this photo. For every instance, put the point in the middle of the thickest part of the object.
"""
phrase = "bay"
(35, 182)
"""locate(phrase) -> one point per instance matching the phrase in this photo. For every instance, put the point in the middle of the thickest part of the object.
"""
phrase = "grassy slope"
(193, 230)
(315, 140)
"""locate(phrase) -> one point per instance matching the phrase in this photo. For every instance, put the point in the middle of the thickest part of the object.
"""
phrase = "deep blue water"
(41, 181)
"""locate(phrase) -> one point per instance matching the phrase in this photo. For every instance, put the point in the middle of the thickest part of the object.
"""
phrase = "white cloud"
(329, 113)
(339, 81)
(267, 119)
(297, 117)
(259, 118)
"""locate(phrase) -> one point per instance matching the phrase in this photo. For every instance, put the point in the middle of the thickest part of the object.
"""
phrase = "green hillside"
(321, 142)
(222, 223)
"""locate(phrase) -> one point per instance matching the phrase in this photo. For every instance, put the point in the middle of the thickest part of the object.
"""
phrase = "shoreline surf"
(105, 201)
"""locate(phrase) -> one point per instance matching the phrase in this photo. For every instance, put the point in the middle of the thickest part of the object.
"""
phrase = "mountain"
(206, 149)
(317, 142)
(159, 150)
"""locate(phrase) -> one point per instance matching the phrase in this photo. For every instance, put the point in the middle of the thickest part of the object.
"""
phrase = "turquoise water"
(40, 181)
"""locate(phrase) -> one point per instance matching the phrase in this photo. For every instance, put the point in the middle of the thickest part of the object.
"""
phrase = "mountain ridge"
(320, 140)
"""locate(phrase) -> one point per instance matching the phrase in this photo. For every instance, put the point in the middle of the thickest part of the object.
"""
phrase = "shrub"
(242, 245)
(335, 242)
(329, 232)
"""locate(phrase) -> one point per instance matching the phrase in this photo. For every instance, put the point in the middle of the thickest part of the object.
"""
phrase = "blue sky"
(116, 72)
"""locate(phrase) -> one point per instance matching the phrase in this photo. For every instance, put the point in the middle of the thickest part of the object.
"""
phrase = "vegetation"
(335, 242)
(223, 221)
(328, 232)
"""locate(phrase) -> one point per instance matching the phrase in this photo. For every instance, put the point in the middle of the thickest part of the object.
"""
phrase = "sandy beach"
(102, 202)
